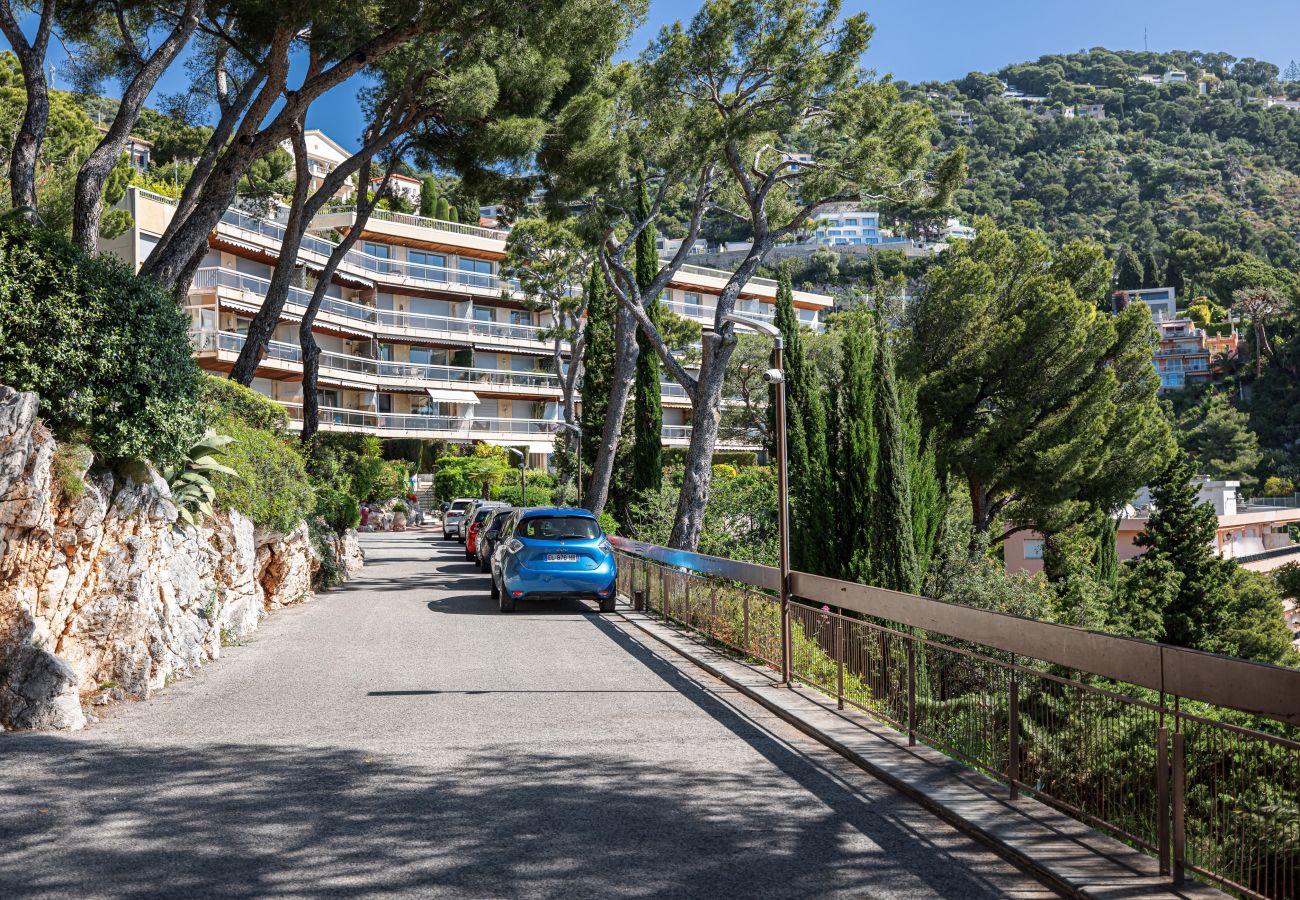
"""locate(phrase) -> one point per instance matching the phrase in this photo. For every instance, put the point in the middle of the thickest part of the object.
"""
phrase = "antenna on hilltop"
(1145, 48)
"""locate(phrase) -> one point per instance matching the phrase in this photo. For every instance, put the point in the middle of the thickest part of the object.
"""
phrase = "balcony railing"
(382, 318)
(374, 266)
(1190, 756)
(387, 215)
(456, 426)
(457, 376)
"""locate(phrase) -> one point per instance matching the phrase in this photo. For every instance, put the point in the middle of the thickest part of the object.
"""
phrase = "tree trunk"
(698, 475)
(268, 314)
(602, 469)
(310, 372)
(36, 115)
(88, 199)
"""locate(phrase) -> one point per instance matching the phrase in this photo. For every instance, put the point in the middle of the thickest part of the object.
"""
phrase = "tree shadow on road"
(273, 821)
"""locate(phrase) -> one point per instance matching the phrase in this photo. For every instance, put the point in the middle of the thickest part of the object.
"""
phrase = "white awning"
(450, 395)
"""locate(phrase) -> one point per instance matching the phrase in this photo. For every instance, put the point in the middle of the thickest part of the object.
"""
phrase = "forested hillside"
(1166, 157)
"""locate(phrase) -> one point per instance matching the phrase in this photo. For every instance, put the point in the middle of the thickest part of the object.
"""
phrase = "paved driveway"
(401, 737)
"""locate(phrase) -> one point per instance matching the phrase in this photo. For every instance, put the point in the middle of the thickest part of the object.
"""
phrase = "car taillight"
(604, 546)
(515, 545)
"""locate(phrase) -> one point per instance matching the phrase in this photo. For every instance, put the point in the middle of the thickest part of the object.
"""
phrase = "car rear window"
(499, 519)
(482, 515)
(558, 528)
(458, 505)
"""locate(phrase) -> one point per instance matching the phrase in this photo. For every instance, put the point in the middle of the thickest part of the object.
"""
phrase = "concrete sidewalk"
(1073, 858)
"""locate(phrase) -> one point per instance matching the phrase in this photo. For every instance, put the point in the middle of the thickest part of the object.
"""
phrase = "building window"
(694, 304)
(427, 266)
(384, 403)
(1034, 548)
(476, 272)
(482, 315)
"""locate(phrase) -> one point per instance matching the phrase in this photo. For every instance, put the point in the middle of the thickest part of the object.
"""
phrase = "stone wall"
(107, 595)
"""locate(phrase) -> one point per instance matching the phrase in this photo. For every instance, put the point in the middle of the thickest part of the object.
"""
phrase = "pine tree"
(597, 363)
(647, 408)
(857, 456)
(893, 539)
(806, 440)
(1151, 274)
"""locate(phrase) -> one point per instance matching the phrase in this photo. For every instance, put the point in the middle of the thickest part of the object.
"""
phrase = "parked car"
(482, 512)
(552, 553)
(489, 535)
(452, 517)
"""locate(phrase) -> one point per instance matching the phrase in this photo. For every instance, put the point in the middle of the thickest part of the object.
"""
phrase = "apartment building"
(324, 155)
(420, 335)
(1186, 354)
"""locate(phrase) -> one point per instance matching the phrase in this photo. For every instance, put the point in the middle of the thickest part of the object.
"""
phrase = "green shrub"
(270, 485)
(353, 463)
(539, 488)
(339, 509)
(107, 351)
(608, 523)
(221, 397)
(740, 459)
(191, 482)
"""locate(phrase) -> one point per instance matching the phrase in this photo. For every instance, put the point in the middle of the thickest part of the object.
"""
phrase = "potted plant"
(399, 516)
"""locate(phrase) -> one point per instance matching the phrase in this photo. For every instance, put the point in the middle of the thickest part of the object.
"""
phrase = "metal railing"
(211, 277)
(458, 376)
(452, 426)
(390, 270)
(492, 234)
(1189, 756)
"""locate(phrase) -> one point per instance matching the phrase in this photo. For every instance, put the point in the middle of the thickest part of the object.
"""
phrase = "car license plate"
(561, 557)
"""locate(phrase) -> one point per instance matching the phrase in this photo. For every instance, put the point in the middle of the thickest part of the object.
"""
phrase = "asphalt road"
(399, 737)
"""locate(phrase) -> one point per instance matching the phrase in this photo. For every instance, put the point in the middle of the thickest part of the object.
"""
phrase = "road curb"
(1069, 856)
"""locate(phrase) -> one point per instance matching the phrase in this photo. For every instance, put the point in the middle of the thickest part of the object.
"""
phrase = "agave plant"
(192, 491)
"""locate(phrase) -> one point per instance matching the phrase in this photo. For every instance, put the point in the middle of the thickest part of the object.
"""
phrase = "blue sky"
(943, 39)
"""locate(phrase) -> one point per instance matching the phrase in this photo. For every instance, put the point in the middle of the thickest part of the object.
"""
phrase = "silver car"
(452, 518)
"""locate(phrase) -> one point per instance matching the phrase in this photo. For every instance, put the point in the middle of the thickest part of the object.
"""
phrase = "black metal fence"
(1189, 756)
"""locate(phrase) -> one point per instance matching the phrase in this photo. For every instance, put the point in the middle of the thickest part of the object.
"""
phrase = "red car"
(483, 513)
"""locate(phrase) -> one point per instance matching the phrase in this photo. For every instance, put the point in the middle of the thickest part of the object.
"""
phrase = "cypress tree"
(597, 363)
(1107, 556)
(857, 456)
(929, 502)
(1151, 274)
(442, 209)
(428, 196)
(809, 465)
(647, 408)
(893, 539)
(1181, 532)
(1128, 270)
(452, 214)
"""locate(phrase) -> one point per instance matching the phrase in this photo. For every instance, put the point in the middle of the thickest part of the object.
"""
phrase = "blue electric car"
(548, 553)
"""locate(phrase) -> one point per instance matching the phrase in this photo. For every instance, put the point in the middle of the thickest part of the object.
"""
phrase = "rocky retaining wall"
(106, 596)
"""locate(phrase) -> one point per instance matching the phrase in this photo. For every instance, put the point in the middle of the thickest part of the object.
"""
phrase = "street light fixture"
(776, 376)
(523, 493)
(578, 430)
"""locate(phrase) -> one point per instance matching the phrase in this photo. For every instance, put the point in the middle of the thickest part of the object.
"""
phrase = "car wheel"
(496, 591)
(507, 603)
(483, 565)
(607, 604)
(469, 557)
(446, 536)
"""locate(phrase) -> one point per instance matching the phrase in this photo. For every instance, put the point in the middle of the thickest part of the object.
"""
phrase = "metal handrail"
(210, 277)
(1120, 733)
(463, 376)
(388, 215)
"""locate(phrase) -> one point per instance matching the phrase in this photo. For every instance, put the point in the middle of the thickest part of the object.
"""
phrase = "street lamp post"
(523, 492)
(578, 431)
(776, 376)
